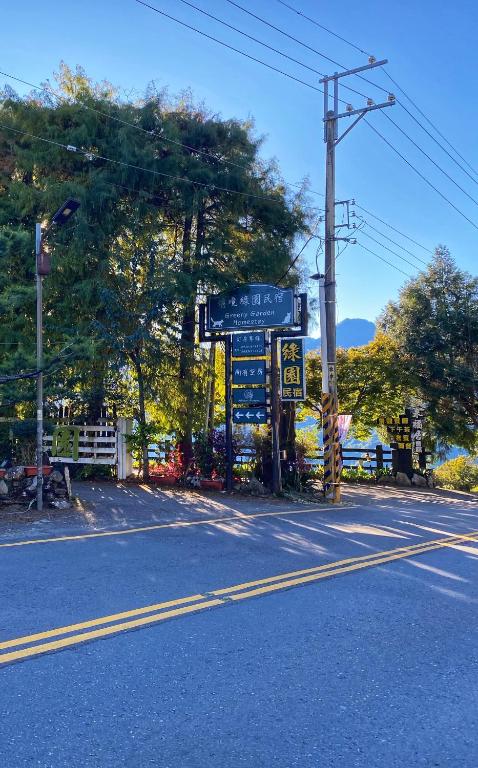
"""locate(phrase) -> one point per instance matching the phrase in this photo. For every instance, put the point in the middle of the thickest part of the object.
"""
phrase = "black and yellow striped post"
(331, 447)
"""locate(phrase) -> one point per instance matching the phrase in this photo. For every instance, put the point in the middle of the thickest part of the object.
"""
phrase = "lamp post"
(43, 267)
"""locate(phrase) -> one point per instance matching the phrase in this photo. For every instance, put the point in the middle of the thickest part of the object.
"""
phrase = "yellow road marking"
(345, 569)
(327, 566)
(75, 639)
(178, 524)
(320, 572)
(96, 622)
(68, 629)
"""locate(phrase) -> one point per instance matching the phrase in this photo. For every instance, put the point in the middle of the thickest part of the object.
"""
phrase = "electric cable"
(389, 250)
(393, 228)
(382, 259)
(398, 86)
(296, 258)
(450, 178)
(96, 156)
(326, 29)
(394, 149)
(309, 47)
(231, 47)
(393, 241)
(429, 122)
(157, 134)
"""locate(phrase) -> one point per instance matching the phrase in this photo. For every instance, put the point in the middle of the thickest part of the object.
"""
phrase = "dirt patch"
(14, 512)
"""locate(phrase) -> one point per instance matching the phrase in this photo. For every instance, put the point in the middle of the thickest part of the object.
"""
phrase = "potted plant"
(170, 472)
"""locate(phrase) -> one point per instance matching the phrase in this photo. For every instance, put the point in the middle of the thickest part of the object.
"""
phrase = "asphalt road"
(299, 636)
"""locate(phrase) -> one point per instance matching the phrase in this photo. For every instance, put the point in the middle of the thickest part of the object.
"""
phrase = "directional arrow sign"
(249, 416)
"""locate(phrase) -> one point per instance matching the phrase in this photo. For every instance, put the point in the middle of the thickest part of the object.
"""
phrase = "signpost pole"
(275, 418)
(229, 451)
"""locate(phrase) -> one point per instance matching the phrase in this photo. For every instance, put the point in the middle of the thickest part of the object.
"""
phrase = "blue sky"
(431, 47)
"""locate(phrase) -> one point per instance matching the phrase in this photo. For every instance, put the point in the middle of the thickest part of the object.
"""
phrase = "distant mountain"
(351, 332)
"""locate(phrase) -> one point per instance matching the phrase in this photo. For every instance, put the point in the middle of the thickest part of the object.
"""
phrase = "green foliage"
(434, 324)
(372, 382)
(460, 474)
(306, 442)
(94, 472)
(143, 249)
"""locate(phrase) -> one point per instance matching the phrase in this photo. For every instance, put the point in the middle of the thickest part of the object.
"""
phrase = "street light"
(43, 268)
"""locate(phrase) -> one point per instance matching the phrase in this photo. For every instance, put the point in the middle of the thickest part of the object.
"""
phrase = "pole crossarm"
(370, 65)
(362, 110)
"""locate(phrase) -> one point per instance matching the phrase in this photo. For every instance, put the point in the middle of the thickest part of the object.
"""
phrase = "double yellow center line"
(32, 645)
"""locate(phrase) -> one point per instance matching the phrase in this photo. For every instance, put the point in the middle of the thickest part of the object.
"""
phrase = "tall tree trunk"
(188, 327)
(142, 417)
(187, 341)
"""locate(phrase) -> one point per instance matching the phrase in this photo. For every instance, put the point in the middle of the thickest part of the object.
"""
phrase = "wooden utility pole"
(328, 285)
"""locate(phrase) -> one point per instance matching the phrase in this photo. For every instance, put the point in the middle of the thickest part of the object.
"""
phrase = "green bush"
(460, 474)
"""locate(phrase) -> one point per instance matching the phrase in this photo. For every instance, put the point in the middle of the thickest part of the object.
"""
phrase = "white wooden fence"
(99, 444)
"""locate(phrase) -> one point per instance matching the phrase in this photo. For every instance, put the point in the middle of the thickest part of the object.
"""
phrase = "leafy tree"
(434, 325)
(372, 382)
(129, 329)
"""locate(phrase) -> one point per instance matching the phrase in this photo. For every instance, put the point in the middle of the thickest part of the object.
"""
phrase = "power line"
(432, 137)
(192, 149)
(429, 121)
(390, 250)
(251, 37)
(393, 241)
(308, 47)
(393, 228)
(382, 259)
(96, 156)
(296, 258)
(394, 149)
(231, 47)
(326, 29)
(157, 134)
(404, 133)
(392, 80)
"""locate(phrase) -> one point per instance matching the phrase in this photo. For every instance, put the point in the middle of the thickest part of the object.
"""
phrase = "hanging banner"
(251, 306)
(344, 421)
(292, 369)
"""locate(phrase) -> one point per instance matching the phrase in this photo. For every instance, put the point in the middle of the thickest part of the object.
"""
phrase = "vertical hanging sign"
(292, 369)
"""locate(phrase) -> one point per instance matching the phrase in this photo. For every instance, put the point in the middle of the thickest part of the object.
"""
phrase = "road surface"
(174, 631)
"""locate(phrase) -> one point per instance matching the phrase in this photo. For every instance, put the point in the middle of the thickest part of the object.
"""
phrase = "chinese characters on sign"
(250, 307)
(405, 431)
(292, 367)
(249, 372)
(417, 433)
(66, 442)
(249, 344)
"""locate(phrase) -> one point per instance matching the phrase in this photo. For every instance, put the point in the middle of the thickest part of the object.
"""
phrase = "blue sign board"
(249, 344)
(251, 306)
(249, 415)
(249, 372)
(248, 395)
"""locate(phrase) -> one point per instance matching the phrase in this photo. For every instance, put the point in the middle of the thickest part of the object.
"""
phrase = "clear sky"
(431, 47)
